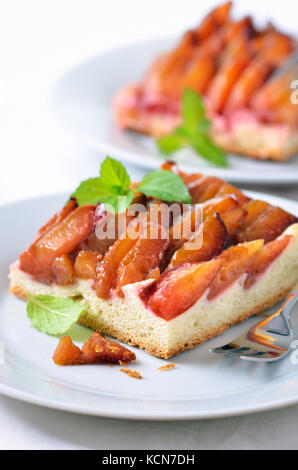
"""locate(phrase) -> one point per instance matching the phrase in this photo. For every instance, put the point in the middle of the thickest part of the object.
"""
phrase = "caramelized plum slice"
(254, 208)
(268, 225)
(56, 219)
(199, 73)
(236, 261)
(220, 205)
(92, 243)
(153, 274)
(205, 188)
(213, 242)
(224, 80)
(26, 257)
(145, 255)
(234, 221)
(59, 240)
(214, 20)
(177, 290)
(86, 263)
(97, 349)
(67, 353)
(251, 79)
(273, 93)
(183, 229)
(62, 269)
(108, 267)
(267, 254)
(229, 189)
(169, 165)
(111, 226)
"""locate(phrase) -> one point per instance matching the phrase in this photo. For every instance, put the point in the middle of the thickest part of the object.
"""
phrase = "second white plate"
(82, 98)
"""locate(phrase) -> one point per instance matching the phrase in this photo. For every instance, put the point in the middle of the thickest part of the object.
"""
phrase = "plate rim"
(11, 392)
(35, 399)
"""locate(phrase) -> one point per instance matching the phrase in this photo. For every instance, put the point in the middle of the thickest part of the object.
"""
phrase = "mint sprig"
(112, 183)
(53, 315)
(193, 131)
(113, 187)
(164, 185)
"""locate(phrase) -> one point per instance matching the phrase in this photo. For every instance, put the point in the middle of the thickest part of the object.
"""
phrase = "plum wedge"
(235, 261)
(211, 243)
(60, 238)
(108, 267)
(269, 224)
(267, 254)
(143, 258)
(86, 264)
(177, 290)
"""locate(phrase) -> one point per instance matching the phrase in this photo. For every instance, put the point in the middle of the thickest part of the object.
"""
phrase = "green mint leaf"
(53, 315)
(113, 181)
(113, 174)
(164, 185)
(170, 143)
(193, 109)
(193, 131)
(207, 149)
(91, 191)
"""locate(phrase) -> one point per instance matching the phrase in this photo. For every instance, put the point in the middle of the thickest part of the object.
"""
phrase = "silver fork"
(269, 340)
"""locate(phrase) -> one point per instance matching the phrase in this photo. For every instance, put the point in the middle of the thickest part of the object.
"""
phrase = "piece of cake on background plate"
(230, 63)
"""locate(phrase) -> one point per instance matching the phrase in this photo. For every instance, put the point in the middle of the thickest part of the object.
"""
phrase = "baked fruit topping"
(170, 277)
(67, 247)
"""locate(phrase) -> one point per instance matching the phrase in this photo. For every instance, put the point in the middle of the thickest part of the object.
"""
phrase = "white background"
(39, 41)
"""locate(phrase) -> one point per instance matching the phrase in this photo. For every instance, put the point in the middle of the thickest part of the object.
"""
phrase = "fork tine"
(254, 354)
(228, 350)
(239, 352)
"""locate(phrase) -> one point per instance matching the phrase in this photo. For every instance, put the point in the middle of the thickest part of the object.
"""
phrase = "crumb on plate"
(167, 366)
(132, 373)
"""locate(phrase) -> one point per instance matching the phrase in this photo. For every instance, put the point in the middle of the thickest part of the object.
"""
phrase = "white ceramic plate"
(202, 385)
(82, 98)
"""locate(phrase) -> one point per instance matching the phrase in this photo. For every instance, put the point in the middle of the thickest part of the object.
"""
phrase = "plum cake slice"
(165, 293)
(230, 63)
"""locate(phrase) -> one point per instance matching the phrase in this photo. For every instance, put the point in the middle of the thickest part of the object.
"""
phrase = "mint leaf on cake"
(113, 187)
(164, 185)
